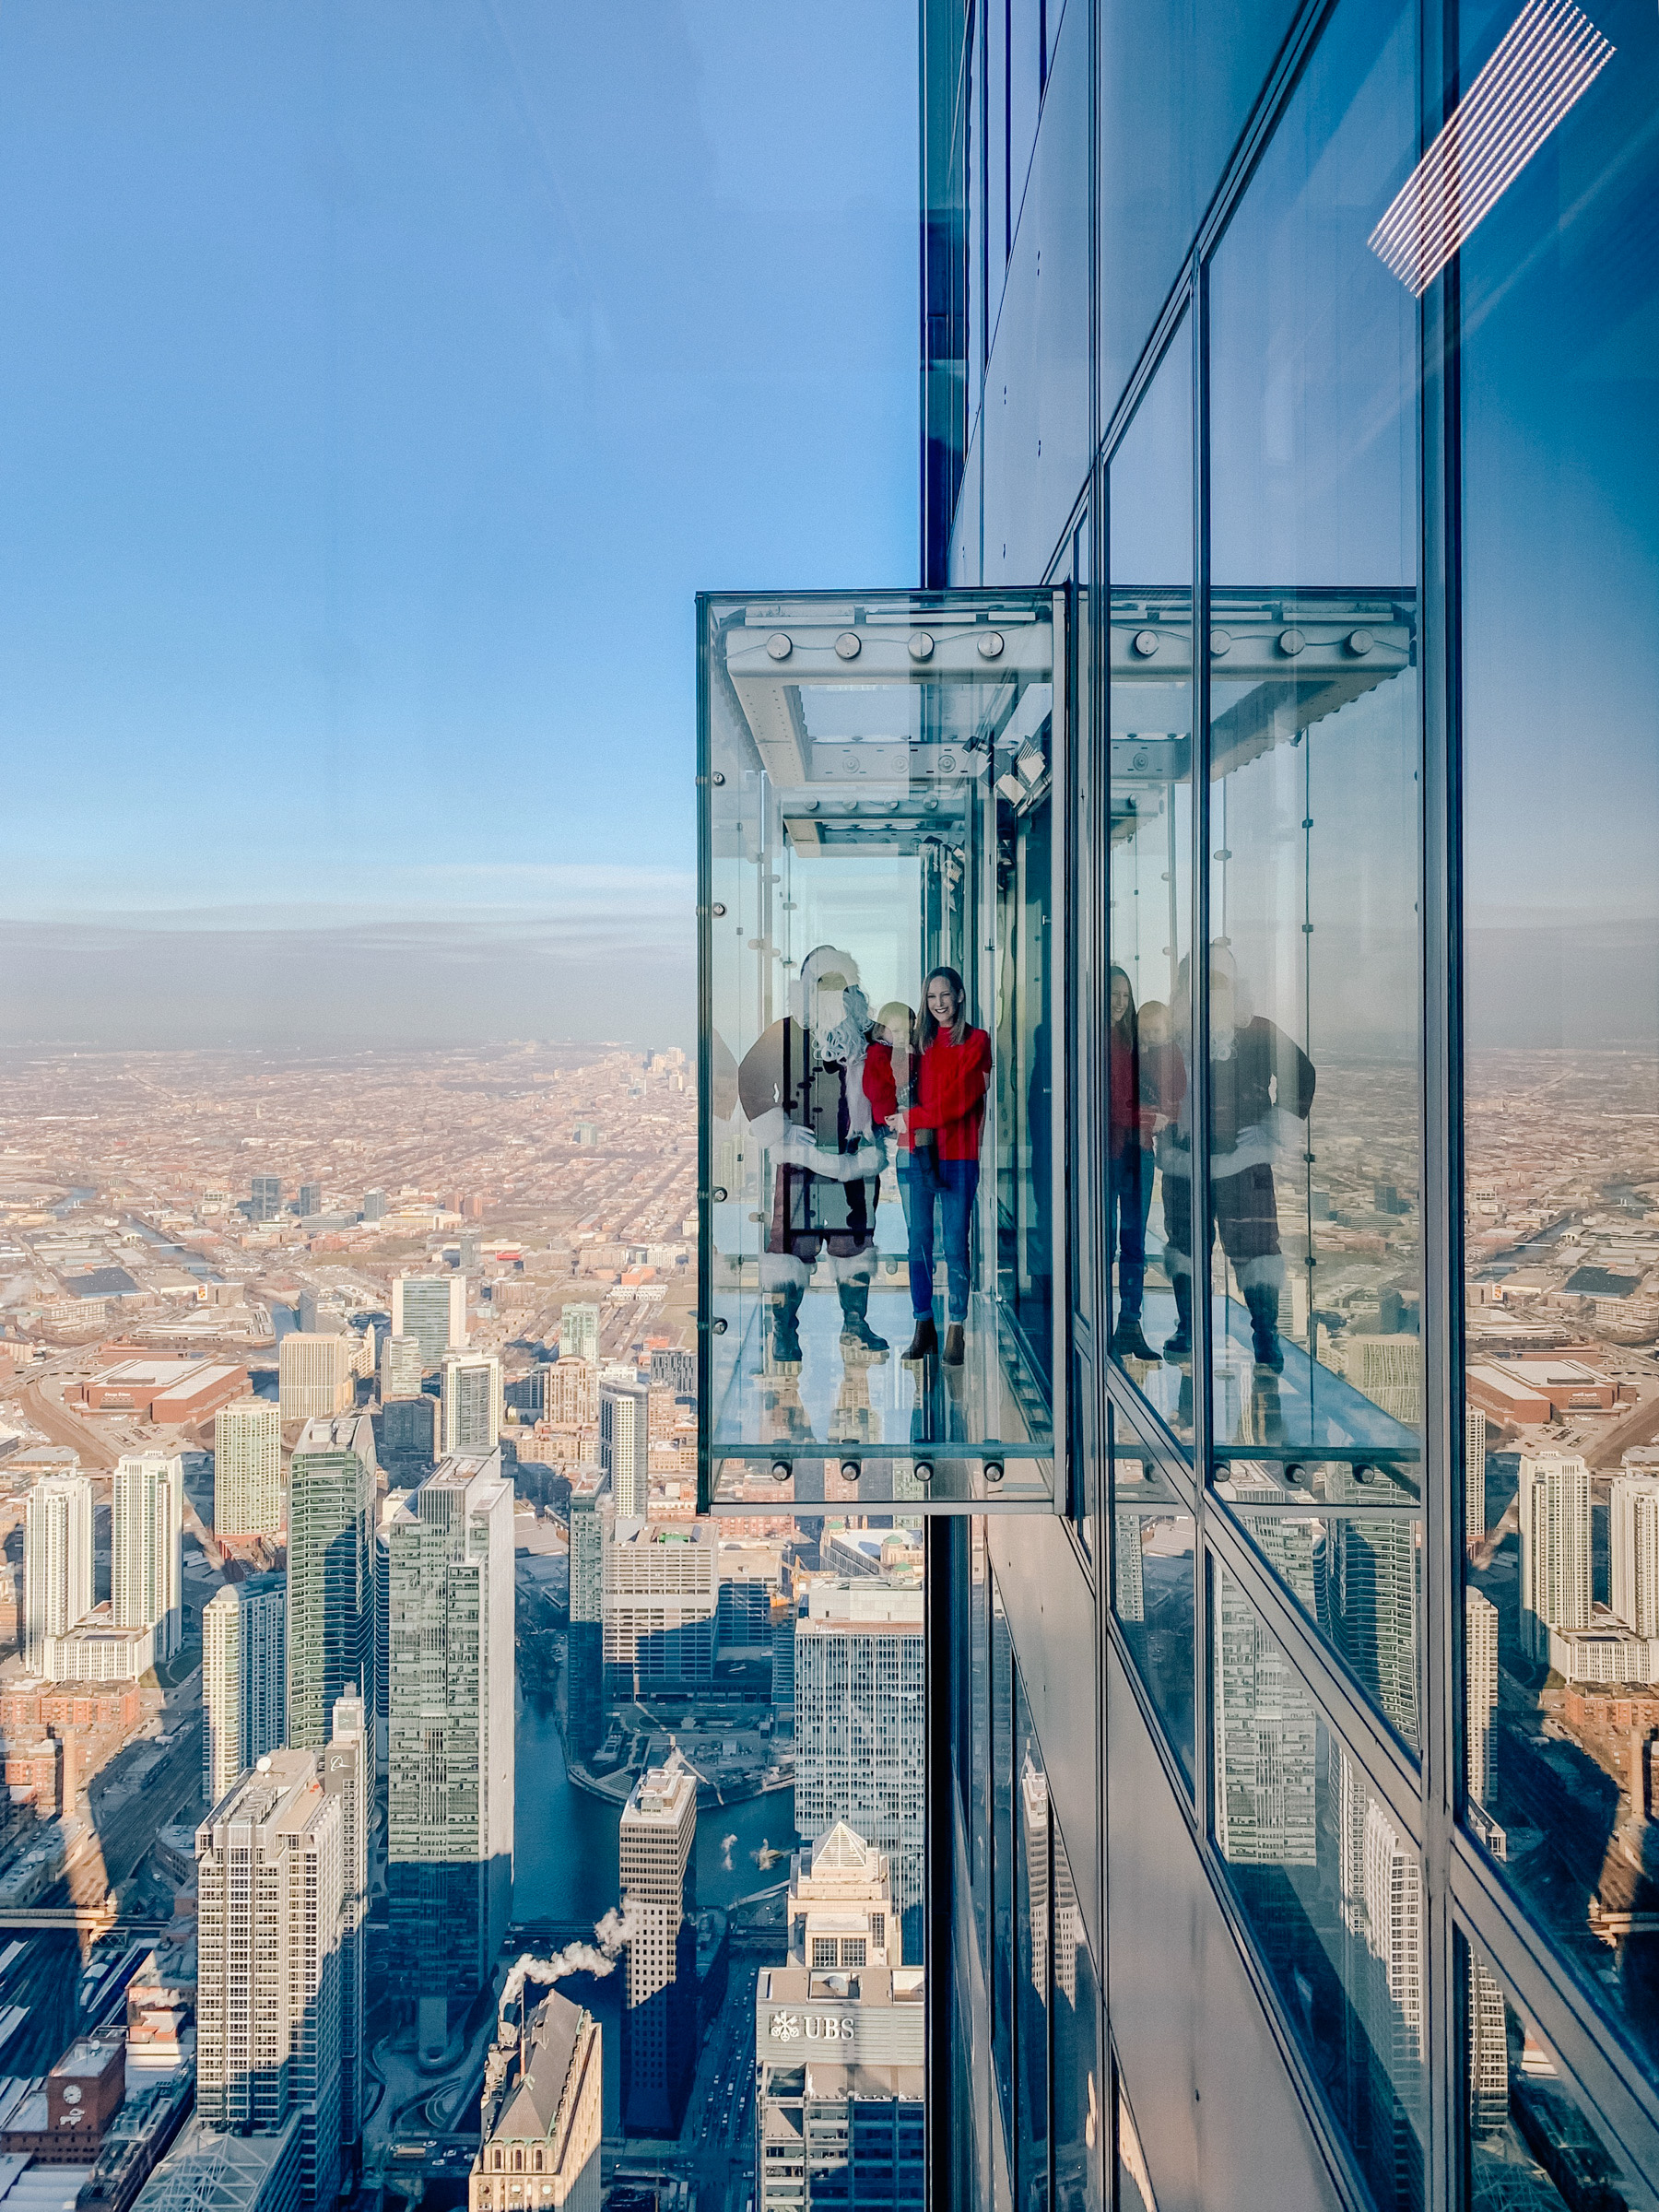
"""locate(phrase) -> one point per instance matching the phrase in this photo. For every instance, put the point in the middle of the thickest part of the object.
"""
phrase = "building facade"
(659, 1600)
(332, 1478)
(450, 1682)
(58, 1560)
(147, 1567)
(316, 1375)
(432, 1308)
(244, 1678)
(625, 1442)
(590, 1522)
(1343, 1812)
(541, 2145)
(471, 1403)
(248, 1495)
(268, 2016)
(860, 1723)
(657, 1855)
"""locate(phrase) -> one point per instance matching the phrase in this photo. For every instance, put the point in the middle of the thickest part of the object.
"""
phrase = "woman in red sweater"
(939, 1141)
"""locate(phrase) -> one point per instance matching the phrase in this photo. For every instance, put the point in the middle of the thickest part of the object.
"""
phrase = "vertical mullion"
(1442, 1195)
(1198, 993)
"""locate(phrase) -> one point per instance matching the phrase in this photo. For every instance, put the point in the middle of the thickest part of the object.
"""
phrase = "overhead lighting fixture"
(1545, 63)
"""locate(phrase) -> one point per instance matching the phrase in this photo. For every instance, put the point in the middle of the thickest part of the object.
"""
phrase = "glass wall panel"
(1178, 79)
(879, 852)
(1149, 700)
(1074, 1996)
(1152, 1585)
(1559, 292)
(1345, 1538)
(1332, 1891)
(1004, 1968)
(1315, 743)
(1134, 2183)
(1531, 2148)
(1034, 1950)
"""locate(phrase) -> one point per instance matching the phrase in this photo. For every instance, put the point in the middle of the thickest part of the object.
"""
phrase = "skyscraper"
(244, 1678)
(625, 1442)
(859, 1721)
(264, 1202)
(450, 1730)
(570, 1392)
(330, 1572)
(1633, 1548)
(248, 1498)
(657, 1852)
(269, 1885)
(1474, 1456)
(1480, 1663)
(471, 1402)
(309, 1200)
(147, 1582)
(58, 1560)
(409, 1439)
(1554, 1498)
(314, 1375)
(660, 1601)
(579, 1332)
(432, 1308)
(348, 1776)
(400, 1369)
(374, 1206)
(590, 1520)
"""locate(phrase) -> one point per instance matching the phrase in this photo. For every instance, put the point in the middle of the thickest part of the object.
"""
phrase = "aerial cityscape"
(406, 1787)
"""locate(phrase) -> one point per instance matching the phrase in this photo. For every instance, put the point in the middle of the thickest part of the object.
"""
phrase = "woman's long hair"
(1128, 1025)
(929, 1027)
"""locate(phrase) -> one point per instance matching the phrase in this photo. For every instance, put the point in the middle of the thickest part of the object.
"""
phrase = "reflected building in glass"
(1181, 1081)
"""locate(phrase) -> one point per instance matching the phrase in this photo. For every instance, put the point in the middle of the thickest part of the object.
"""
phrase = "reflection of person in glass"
(1126, 1169)
(802, 1086)
(1260, 1080)
(938, 1161)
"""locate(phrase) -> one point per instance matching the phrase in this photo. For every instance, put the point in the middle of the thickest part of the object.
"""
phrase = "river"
(565, 1842)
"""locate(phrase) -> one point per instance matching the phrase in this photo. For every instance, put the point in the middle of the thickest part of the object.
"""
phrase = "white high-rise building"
(315, 1375)
(1474, 1456)
(625, 1441)
(400, 1368)
(1480, 1667)
(147, 1567)
(471, 1402)
(244, 1678)
(659, 1602)
(656, 1851)
(860, 1718)
(840, 1905)
(58, 1560)
(248, 1495)
(1266, 1734)
(348, 1775)
(579, 1332)
(450, 1728)
(1633, 1551)
(270, 1886)
(1555, 1546)
(432, 1308)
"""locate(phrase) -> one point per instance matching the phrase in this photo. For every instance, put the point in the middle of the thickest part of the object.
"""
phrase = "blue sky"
(378, 383)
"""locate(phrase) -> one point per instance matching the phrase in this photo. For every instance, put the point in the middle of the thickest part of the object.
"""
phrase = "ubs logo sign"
(816, 2027)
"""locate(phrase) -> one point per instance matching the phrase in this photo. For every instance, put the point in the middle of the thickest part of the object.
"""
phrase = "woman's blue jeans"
(926, 1182)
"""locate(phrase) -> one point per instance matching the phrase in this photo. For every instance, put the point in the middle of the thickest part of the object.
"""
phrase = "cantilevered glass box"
(882, 840)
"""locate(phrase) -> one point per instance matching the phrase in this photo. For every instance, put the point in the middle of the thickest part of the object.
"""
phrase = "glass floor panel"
(1307, 1412)
(977, 1438)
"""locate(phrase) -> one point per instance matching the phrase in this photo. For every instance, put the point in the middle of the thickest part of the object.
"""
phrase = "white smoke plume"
(618, 1928)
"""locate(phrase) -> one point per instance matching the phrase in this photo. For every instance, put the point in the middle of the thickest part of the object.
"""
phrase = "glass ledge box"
(882, 837)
